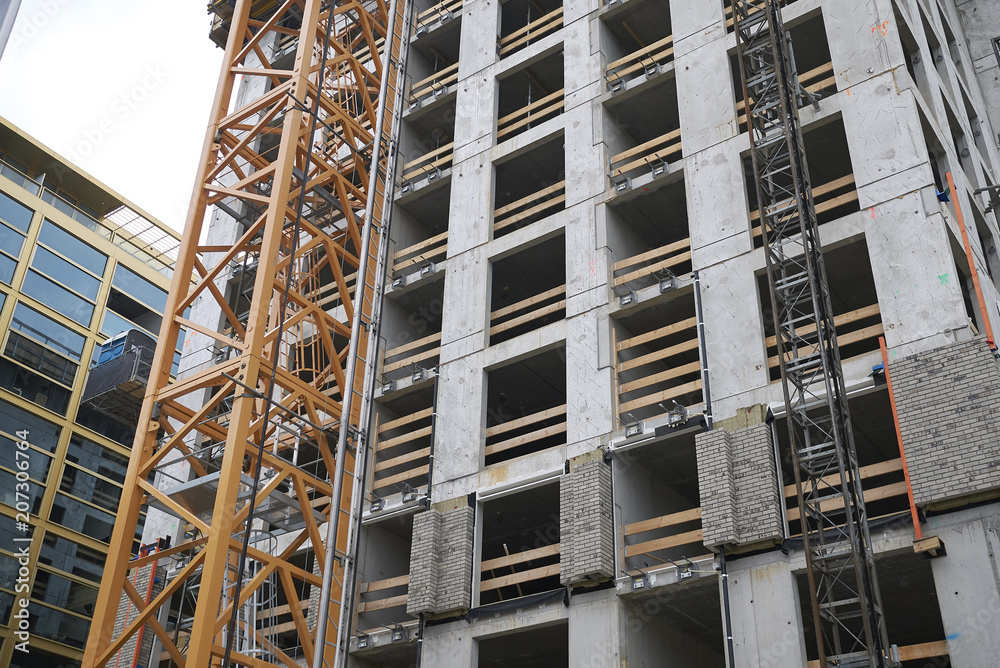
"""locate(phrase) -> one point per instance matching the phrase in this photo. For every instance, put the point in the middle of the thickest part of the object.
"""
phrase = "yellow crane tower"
(255, 450)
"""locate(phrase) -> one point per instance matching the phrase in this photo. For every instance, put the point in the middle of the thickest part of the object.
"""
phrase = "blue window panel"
(66, 244)
(66, 274)
(14, 213)
(58, 298)
(139, 288)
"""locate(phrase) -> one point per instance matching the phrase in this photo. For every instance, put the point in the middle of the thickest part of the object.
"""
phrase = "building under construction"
(511, 343)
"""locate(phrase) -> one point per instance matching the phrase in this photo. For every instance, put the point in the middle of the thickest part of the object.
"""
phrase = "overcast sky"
(121, 87)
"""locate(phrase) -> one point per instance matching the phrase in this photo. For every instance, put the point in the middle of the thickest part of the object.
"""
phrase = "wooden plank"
(525, 421)
(434, 77)
(388, 583)
(658, 397)
(642, 148)
(405, 438)
(425, 256)
(693, 367)
(426, 243)
(428, 168)
(644, 161)
(870, 471)
(534, 197)
(804, 78)
(657, 355)
(506, 222)
(518, 578)
(403, 421)
(927, 650)
(281, 610)
(822, 207)
(663, 521)
(873, 494)
(838, 320)
(440, 8)
(641, 52)
(819, 191)
(640, 339)
(660, 57)
(528, 317)
(844, 340)
(526, 438)
(383, 604)
(426, 156)
(653, 268)
(403, 459)
(419, 343)
(664, 543)
(653, 254)
(530, 301)
(521, 557)
(526, 30)
(537, 118)
(524, 110)
(420, 357)
(396, 479)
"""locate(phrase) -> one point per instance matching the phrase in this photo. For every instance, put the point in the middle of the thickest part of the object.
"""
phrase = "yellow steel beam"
(266, 160)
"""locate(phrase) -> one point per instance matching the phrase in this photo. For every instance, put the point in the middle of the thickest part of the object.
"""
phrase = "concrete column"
(767, 620)
(594, 630)
(449, 649)
(967, 581)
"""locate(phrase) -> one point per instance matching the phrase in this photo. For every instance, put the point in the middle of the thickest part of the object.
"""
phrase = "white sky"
(121, 87)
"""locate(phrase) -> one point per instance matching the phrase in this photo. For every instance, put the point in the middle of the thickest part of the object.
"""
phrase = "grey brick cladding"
(441, 559)
(586, 522)
(127, 612)
(948, 402)
(739, 489)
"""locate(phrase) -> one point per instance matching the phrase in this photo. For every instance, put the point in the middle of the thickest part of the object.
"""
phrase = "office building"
(79, 265)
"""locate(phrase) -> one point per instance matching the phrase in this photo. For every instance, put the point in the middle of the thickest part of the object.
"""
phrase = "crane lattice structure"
(262, 439)
(840, 565)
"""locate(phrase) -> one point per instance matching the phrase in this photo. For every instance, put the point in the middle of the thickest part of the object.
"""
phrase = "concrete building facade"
(580, 405)
(578, 279)
(79, 264)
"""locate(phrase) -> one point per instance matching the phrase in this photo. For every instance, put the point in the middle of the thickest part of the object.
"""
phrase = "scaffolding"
(254, 450)
(840, 565)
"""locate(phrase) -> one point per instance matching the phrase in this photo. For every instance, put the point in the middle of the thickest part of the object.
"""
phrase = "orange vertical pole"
(972, 265)
(917, 532)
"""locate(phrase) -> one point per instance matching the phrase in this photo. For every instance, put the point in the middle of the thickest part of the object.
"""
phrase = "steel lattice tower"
(840, 566)
(268, 425)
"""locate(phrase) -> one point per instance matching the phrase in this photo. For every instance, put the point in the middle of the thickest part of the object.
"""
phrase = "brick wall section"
(758, 497)
(441, 555)
(127, 613)
(948, 401)
(586, 522)
(739, 489)
(315, 593)
(717, 488)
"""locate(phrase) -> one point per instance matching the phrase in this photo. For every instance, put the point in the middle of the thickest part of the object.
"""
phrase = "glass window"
(38, 462)
(7, 267)
(71, 557)
(9, 530)
(58, 298)
(62, 271)
(6, 604)
(90, 488)
(56, 625)
(8, 571)
(39, 659)
(8, 494)
(41, 433)
(95, 457)
(47, 331)
(115, 324)
(39, 358)
(64, 593)
(139, 288)
(11, 242)
(33, 387)
(82, 518)
(14, 213)
(69, 246)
